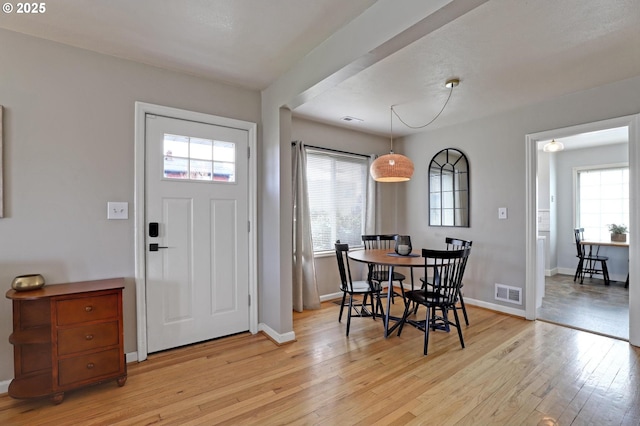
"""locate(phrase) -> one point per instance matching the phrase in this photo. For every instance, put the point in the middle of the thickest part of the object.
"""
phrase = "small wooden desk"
(599, 244)
(390, 259)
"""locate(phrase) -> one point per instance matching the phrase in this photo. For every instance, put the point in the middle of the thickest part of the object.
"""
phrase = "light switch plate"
(502, 213)
(117, 210)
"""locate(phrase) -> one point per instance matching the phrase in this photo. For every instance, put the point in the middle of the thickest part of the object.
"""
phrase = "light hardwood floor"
(512, 372)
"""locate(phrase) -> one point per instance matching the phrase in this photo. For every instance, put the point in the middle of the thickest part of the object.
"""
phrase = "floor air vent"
(509, 294)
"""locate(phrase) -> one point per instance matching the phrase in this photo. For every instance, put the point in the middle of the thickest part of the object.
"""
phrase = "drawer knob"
(90, 365)
(89, 337)
(88, 308)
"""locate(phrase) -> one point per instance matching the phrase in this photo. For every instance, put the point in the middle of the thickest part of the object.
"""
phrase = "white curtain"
(370, 213)
(305, 287)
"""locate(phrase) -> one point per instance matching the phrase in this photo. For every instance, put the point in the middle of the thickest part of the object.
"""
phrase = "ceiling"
(611, 136)
(507, 53)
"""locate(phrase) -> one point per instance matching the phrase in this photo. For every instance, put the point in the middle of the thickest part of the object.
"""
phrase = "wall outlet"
(502, 213)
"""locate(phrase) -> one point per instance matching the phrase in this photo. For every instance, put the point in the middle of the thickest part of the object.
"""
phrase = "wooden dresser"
(67, 336)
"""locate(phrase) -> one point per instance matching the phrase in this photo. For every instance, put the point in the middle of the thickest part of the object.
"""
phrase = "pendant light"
(391, 167)
(553, 146)
(394, 167)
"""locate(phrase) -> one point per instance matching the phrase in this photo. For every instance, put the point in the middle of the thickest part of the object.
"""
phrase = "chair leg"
(582, 273)
(455, 314)
(378, 297)
(578, 269)
(344, 296)
(427, 326)
(605, 272)
(349, 313)
(373, 312)
(464, 308)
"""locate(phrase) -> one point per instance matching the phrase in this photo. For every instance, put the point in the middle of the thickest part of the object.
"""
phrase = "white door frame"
(141, 110)
(633, 122)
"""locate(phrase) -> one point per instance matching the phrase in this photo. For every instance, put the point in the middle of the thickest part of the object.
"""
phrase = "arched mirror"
(449, 189)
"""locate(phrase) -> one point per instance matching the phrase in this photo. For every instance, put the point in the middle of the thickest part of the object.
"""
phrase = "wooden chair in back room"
(588, 262)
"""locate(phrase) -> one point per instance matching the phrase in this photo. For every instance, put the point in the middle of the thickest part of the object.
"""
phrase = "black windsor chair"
(350, 288)
(588, 263)
(448, 269)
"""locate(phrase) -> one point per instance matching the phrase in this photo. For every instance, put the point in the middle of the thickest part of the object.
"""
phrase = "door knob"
(155, 247)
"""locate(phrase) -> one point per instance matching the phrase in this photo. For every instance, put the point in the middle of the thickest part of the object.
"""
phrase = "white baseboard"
(331, 296)
(275, 336)
(566, 271)
(131, 357)
(494, 307)
(4, 386)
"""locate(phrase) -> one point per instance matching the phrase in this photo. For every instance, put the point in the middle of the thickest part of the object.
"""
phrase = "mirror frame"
(453, 163)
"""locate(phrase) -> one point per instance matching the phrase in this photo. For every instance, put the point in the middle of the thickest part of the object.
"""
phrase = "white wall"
(495, 147)
(552, 241)
(548, 200)
(544, 203)
(565, 162)
(69, 132)
(326, 136)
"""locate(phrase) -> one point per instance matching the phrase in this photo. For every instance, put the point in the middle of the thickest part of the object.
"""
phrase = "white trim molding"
(275, 336)
(495, 307)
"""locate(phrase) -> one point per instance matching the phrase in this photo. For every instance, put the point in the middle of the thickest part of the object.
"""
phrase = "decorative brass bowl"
(27, 282)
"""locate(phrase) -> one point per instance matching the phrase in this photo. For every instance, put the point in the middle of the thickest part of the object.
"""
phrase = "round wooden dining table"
(390, 259)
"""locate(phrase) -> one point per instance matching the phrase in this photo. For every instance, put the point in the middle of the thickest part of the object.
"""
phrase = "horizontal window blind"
(337, 197)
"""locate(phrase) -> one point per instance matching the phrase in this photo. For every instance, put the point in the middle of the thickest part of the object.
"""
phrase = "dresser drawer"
(87, 367)
(75, 311)
(87, 337)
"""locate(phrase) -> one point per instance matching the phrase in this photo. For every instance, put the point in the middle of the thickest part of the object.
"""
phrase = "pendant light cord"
(391, 128)
(418, 127)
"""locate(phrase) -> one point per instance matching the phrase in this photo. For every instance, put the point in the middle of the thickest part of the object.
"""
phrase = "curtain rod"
(332, 150)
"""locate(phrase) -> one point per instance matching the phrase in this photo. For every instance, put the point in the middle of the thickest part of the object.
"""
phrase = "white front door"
(197, 244)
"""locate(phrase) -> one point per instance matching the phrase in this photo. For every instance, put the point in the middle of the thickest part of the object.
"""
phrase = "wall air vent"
(350, 119)
(509, 294)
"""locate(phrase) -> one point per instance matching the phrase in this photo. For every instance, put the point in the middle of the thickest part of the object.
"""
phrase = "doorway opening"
(553, 211)
(586, 185)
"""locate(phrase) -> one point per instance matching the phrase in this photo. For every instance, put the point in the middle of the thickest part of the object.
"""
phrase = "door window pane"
(197, 159)
(201, 149)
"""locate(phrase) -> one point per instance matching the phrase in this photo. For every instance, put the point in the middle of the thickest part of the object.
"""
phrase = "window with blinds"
(337, 198)
(602, 198)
